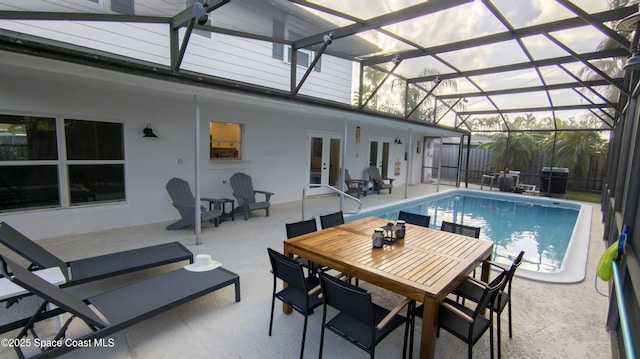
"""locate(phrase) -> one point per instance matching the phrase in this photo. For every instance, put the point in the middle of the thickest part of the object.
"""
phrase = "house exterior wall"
(250, 61)
(275, 132)
(274, 138)
(225, 56)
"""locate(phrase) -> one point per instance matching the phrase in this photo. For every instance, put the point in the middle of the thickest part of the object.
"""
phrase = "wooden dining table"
(425, 266)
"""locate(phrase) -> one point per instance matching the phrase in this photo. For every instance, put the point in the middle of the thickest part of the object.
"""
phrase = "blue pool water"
(546, 229)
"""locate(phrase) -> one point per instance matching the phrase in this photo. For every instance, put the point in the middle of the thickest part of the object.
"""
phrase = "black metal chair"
(331, 220)
(413, 218)
(466, 323)
(301, 292)
(360, 321)
(465, 230)
(302, 227)
(297, 229)
(467, 290)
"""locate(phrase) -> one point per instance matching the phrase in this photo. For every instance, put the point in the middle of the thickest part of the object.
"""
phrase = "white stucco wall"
(274, 139)
(274, 135)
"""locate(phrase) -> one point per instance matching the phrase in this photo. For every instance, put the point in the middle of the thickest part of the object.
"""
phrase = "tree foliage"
(576, 150)
(513, 152)
(393, 99)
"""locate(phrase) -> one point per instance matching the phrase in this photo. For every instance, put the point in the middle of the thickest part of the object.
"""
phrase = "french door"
(324, 151)
(379, 154)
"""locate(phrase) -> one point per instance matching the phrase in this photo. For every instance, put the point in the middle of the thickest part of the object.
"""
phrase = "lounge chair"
(379, 183)
(93, 268)
(356, 186)
(110, 312)
(246, 196)
(184, 202)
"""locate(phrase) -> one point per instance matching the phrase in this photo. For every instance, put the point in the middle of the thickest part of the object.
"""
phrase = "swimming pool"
(553, 233)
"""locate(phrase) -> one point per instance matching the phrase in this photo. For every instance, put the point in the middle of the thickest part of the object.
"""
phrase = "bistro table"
(425, 266)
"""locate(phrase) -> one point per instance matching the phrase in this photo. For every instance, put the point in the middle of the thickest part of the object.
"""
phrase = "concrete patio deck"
(549, 320)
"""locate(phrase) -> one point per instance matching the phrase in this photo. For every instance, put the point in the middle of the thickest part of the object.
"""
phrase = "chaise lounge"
(110, 312)
(93, 268)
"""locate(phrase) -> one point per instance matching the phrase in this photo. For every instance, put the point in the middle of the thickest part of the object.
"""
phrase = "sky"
(473, 20)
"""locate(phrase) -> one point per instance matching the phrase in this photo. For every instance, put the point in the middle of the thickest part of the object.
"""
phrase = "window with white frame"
(54, 162)
(225, 141)
(303, 57)
(123, 6)
(280, 51)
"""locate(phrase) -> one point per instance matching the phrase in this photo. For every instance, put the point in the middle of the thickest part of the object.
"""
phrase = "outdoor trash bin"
(553, 181)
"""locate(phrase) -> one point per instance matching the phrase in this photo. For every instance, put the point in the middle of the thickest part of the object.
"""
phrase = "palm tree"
(576, 150)
(515, 151)
(614, 67)
(415, 94)
(371, 80)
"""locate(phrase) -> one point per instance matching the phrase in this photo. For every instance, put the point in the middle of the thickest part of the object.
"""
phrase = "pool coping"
(574, 263)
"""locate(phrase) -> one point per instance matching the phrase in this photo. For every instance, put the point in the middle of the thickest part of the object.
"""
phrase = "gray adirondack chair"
(379, 182)
(184, 202)
(246, 196)
(356, 186)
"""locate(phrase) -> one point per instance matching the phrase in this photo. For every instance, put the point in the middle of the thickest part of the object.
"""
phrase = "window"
(95, 161)
(226, 141)
(33, 176)
(304, 57)
(122, 6)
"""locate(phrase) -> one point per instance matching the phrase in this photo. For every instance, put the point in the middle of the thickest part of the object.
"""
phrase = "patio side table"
(220, 203)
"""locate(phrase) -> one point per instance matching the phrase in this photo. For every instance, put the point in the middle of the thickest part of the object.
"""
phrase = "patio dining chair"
(413, 218)
(360, 321)
(465, 230)
(470, 324)
(106, 313)
(379, 183)
(299, 228)
(244, 193)
(470, 291)
(331, 220)
(301, 292)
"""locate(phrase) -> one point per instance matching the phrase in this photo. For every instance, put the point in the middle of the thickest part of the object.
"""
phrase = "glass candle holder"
(378, 237)
(400, 229)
